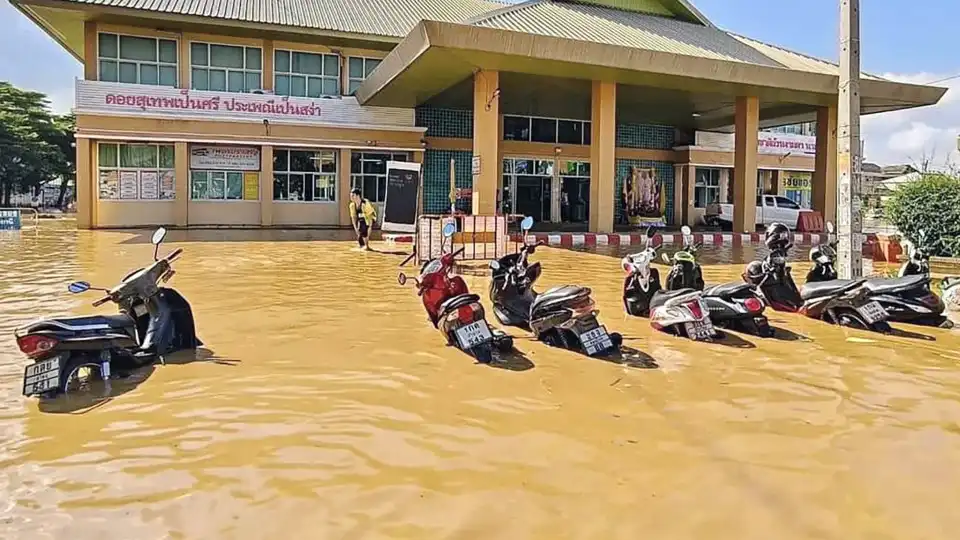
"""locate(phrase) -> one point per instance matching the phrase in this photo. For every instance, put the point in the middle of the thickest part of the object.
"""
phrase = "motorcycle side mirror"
(526, 224)
(686, 230)
(651, 232)
(402, 279)
(158, 236)
(494, 265)
(78, 287)
(625, 264)
(449, 229)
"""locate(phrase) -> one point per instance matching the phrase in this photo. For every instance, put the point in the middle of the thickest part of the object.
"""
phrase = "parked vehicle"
(734, 306)
(838, 301)
(770, 209)
(453, 310)
(562, 316)
(906, 299)
(153, 321)
(680, 312)
(950, 293)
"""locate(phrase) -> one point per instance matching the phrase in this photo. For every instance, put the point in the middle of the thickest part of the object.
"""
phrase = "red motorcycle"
(453, 310)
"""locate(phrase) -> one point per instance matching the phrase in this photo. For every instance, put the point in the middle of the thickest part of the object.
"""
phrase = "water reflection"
(329, 407)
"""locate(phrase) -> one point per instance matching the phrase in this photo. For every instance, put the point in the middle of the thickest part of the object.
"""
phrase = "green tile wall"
(664, 174)
(645, 136)
(436, 179)
(455, 123)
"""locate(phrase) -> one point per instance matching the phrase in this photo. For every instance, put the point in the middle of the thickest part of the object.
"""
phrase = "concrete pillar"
(91, 66)
(824, 185)
(266, 185)
(86, 184)
(745, 164)
(678, 191)
(689, 192)
(603, 163)
(776, 182)
(181, 175)
(486, 140)
(343, 186)
(267, 82)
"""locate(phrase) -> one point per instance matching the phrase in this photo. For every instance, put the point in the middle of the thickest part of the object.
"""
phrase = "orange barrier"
(811, 222)
(887, 249)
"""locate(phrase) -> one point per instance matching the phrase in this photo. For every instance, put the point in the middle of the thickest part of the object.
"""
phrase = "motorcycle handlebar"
(102, 301)
(459, 251)
(174, 254)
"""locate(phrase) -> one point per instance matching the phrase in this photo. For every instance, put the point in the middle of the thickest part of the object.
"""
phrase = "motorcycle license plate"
(596, 340)
(700, 330)
(872, 312)
(41, 376)
(473, 334)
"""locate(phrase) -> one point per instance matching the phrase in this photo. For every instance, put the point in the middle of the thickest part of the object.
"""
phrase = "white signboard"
(149, 185)
(225, 158)
(767, 142)
(96, 97)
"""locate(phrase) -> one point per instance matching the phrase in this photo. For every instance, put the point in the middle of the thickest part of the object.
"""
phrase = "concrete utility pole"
(849, 151)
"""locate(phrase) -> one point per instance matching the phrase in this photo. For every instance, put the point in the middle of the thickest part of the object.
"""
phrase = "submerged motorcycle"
(562, 316)
(153, 321)
(838, 301)
(680, 311)
(734, 306)
(906, 299)
(451, 308)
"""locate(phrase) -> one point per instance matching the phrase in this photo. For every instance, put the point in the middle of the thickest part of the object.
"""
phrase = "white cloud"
(914, 135)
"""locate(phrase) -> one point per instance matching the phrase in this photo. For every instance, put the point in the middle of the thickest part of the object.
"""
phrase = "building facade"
(590, 113)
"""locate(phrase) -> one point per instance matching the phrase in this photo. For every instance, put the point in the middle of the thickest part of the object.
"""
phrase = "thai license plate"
(41, 376)
(473, 334)
(596, 340)
(872, 312)
(699, 330)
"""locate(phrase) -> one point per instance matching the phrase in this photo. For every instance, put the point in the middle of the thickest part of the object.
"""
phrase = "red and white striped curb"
(717, 239)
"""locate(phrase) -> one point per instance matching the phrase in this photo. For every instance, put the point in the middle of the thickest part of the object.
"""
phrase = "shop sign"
(767, 143)
(225, 158)
(96, 97)
(797, 183)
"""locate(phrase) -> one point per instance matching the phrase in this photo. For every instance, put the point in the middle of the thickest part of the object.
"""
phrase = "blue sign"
(9, 220)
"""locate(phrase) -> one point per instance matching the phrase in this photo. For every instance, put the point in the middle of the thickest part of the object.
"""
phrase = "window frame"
(349, 79)
(176, 64)
(308, 76)
(227, 71)
(710, 185)
(160, 170)
(585, 129)
(226, 174)
(287, 172)
(380, 176)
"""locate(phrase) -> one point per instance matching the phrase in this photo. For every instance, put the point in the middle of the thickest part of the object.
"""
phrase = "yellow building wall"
(135, 213)
(224, 213)
(307, 213)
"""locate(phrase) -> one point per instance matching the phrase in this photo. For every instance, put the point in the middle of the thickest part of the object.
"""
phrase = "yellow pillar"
(677, 194)
(86, 184)
(343, 187)
(266, 185)
(745, 164)
(824, 185)
(181, 165)
(603, 163)
(689, 193)
(267, 82)
(486, 140)
(90, 42)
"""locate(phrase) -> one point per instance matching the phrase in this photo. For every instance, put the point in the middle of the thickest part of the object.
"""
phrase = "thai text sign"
(225, 158)
(96, 97)
(767, 142)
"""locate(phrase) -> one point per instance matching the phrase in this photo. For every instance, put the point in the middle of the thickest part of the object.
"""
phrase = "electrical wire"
(945, 79)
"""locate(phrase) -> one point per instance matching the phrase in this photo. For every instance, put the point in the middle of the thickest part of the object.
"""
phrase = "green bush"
(931, 205)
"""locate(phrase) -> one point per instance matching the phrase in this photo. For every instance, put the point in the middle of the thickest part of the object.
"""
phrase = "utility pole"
(849, 151)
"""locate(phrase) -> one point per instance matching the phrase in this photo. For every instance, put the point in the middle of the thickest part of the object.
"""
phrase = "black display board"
(403, 192)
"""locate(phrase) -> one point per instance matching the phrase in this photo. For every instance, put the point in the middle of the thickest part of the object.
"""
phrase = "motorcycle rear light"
(753, 305)
(35, 346)
(931, 300)
(466, 313)
(694, 308)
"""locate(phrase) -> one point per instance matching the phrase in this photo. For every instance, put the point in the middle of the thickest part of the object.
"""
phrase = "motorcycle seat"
(881, 286)
(727, 289)
(457, 301)
(79, 324)
(828, 288)
(662, 296)
(558, 296)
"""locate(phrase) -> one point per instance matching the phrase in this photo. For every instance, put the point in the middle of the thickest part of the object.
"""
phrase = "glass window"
(707, 187)
(574, 191)
(213, 185)
(543, 130)
(368, 171)
(784, 202)
(516, 128)
(570, 132)
(135, 171)
(225, 68)
(306, 74)
(305, 175)
(358, 69)
(137, 60)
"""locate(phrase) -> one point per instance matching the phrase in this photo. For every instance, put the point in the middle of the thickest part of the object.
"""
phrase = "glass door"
(575, 192)
(527, 187)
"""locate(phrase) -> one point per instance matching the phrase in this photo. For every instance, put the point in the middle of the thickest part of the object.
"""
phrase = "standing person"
(363, 214)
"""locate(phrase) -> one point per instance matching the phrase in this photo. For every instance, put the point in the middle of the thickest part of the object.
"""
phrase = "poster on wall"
(149, 185)
(643, 198)
(225, 158)
(128, 185)
(168, 185)
(400, 202)
(109, 185)
(251, 186)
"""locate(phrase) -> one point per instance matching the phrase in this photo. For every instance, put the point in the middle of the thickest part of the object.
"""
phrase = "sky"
(896, 42)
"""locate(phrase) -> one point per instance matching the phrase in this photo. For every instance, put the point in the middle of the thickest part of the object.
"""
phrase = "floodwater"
(324, 405)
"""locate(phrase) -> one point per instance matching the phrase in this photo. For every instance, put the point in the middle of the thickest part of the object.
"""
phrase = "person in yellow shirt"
(363, 214)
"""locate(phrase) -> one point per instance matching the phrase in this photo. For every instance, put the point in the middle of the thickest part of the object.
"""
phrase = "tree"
(931, 205)
(35, 146)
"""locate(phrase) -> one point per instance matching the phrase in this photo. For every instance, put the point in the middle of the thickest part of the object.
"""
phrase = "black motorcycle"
(562, 316)
(906, 299)
(733, 306)
(153, 321)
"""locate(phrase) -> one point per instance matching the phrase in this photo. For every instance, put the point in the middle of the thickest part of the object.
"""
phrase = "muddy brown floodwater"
(325, 406)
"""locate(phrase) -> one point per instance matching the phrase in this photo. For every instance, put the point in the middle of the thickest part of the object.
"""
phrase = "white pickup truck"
(770, 209)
